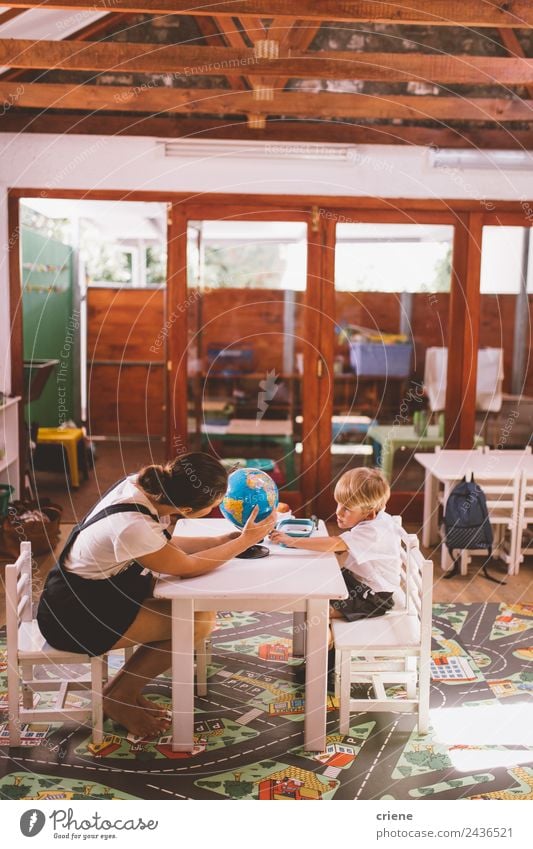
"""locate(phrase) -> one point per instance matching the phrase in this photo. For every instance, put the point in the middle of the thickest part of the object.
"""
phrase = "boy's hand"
(281, 539)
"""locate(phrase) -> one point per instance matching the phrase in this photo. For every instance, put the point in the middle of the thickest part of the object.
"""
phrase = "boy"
(370, 544)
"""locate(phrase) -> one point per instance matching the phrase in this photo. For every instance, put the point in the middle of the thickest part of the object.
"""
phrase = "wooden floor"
(473, 588)
(114, 460)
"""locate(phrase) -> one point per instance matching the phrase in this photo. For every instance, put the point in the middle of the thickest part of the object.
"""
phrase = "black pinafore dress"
(89, 615)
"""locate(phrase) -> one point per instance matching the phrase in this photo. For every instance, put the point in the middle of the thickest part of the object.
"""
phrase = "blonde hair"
(364, 488)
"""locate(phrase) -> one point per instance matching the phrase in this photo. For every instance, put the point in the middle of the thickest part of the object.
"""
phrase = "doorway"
(247, 342)
(93, 278)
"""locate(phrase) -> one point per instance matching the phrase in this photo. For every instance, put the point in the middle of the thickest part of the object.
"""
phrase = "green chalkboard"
(50, 324)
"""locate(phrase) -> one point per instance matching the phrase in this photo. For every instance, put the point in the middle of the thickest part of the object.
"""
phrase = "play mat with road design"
(249, 730)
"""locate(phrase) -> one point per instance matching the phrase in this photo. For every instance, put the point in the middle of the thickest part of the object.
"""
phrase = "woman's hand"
(253, 531)
(282, 539)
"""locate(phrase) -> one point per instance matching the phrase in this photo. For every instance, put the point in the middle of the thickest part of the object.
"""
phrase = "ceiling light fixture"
(481, 160)
(259, 150)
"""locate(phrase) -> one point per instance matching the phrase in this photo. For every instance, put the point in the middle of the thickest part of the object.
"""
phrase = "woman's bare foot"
(136, 719)
(153, 708)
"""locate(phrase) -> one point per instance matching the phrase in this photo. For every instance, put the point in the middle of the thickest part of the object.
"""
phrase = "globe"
(249, 488)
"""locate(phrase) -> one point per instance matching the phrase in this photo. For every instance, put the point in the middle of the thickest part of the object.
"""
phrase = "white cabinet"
(9, 443)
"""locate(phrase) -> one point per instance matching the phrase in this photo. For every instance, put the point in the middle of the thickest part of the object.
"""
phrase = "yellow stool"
(69, 439)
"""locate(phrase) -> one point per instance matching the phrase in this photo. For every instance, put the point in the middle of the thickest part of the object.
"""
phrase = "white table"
(449, 467)
(288, 580)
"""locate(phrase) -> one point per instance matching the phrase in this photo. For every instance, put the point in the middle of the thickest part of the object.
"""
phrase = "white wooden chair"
(503, 505)
(203, 659)
(390, 649)
(453, 455)
(26, 648)
(525, 519)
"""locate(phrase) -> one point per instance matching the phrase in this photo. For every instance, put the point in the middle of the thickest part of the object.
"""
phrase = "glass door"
(247, 343)
(505, 378)
(389, 319)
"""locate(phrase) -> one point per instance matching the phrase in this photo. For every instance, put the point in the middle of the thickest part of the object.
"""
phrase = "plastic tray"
(299, 528)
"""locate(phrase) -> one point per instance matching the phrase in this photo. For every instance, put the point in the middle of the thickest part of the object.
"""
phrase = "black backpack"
(467, 524)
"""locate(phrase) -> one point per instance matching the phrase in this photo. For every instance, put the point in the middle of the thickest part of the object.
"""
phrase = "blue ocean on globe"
(248, 488)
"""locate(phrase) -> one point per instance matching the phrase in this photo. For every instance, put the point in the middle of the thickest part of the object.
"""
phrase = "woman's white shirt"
(374, 552)
(107, 547)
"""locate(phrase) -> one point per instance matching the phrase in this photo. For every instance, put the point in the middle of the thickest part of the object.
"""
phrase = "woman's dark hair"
(190, 480)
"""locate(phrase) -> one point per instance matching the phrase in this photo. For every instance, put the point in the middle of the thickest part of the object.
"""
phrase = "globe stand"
(254, 552)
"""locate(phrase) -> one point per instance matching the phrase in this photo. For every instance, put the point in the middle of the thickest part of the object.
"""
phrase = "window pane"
(392, 284)
(393, 258)
(121, 243)
(241, 255)
(246, 341)
(501, 260)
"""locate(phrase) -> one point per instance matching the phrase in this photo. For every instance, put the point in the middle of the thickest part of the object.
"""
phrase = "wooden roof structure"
(447, 73)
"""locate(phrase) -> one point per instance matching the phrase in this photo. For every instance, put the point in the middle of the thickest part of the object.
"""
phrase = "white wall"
(93, 162)
(103, 162)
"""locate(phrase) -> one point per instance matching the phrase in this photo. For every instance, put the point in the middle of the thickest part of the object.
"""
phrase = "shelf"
(348, 375)
(5, 462)
(250, 375)
(9, 430)
(9, 402)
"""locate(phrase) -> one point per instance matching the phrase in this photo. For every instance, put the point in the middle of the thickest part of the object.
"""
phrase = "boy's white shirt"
(374, 552)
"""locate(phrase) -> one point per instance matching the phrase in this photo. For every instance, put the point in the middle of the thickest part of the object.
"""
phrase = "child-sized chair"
(525, 519)
(503, 507)
(390, 649)
(27, 648)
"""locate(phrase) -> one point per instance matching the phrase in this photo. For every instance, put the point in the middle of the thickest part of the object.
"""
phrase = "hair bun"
(193, 479)
(151, 479)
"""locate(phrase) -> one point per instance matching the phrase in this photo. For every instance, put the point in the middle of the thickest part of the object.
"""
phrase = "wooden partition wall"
(462, 307)
(126, 393)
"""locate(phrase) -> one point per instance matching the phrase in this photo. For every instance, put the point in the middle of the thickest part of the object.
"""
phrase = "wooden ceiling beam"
(473, 13)
(214, 61)
(302, 132)
(514, 48)
(9, 14)
(325, 105)
(253, 26)
(282, 30)
(93, 30)
(215, 38)
(298, 37)
(254, 29)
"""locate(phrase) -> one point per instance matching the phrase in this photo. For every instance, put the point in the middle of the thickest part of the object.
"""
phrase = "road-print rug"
(249, 729)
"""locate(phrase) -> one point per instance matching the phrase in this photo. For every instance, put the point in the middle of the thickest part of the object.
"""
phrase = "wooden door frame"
(464, 311)
(179, 216)
(465, 315)
(14, 197)
(356, 215)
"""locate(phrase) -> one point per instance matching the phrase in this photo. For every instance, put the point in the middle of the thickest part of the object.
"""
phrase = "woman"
(98, 596)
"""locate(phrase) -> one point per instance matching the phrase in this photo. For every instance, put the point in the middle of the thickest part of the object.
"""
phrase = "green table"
(253, 432)
(392, 437)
